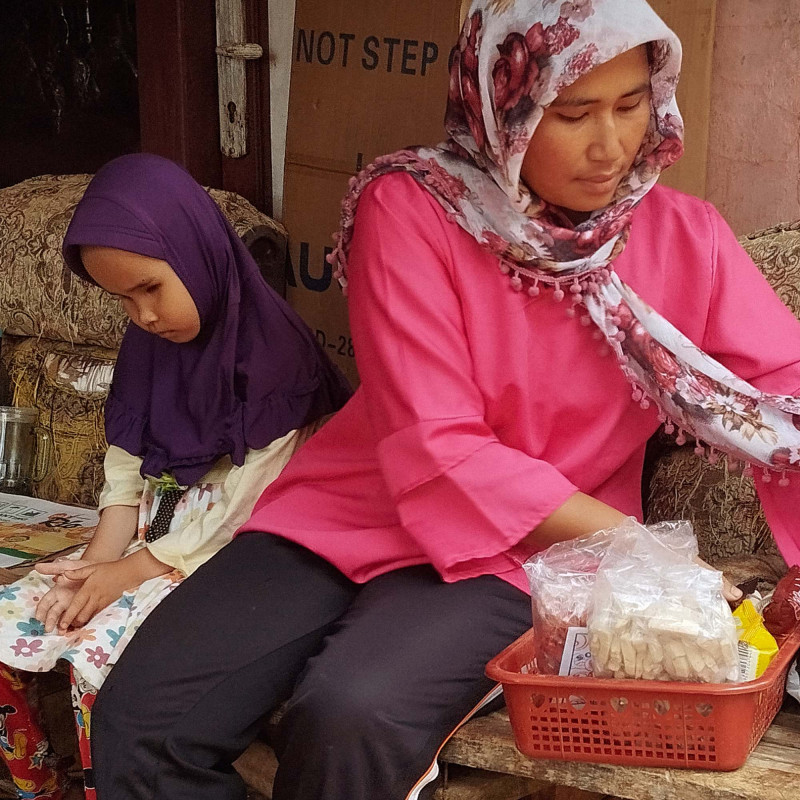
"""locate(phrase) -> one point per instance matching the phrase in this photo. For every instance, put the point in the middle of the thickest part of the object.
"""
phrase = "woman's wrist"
(578, 516)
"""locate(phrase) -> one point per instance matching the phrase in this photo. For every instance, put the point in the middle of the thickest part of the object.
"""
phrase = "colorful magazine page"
(32, 529)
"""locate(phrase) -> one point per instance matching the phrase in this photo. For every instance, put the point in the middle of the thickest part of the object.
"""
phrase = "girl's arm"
(119, 509)
(116, 529)
(114, 533)
(191, 545)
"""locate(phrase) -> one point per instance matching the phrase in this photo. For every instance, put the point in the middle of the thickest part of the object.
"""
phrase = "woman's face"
(153, 296)
(589, 136)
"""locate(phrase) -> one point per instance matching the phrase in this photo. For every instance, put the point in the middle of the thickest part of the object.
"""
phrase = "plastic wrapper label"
(576, 661)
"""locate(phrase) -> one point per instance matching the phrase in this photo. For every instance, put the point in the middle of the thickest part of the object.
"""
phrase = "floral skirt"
(93, 649)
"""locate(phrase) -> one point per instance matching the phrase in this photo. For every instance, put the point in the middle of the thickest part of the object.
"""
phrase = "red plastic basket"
(638, 723)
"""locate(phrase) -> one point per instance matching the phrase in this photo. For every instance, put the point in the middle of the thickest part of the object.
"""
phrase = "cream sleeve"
(124, 483)
(191, 546)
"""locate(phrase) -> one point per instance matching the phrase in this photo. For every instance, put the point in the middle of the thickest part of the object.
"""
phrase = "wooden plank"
(694, 22)
(251, 174)
(258, 766)
(770, 774)
(473, 784)
(232, 86)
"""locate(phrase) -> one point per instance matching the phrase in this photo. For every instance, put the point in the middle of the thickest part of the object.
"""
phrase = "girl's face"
(590, 135)
(152, 295)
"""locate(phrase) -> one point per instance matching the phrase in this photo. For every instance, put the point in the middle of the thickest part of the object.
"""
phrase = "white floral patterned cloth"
(204, 521)
(93, 649)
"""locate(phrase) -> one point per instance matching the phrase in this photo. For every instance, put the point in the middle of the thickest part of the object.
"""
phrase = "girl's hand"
(58, 567)
(61, 565)
(51, 607)
(105, 582)
(99, 586)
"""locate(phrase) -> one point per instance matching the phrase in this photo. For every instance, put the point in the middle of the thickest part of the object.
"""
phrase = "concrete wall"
(754, 143)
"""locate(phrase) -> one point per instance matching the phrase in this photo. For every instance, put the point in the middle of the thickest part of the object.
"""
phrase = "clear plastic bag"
(658, 615)
(793, 681)
(562, 582)
(678, 536)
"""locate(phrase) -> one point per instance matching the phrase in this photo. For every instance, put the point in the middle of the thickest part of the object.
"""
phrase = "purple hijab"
(253, 373)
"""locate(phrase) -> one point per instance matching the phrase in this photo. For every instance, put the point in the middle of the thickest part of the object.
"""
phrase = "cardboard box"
(367, 78)
(312, 199)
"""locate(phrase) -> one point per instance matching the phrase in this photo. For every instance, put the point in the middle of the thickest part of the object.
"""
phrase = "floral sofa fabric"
(61, 335)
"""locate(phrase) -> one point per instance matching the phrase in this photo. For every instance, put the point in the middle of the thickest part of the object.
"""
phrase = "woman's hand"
(730, 592)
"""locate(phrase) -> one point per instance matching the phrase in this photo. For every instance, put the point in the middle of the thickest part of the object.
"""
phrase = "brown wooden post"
(177, 63)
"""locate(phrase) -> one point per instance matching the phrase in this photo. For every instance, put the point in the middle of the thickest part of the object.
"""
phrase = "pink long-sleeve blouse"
(481, 410)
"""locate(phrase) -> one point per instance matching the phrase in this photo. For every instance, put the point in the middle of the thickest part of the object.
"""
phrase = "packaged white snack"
(658, 615)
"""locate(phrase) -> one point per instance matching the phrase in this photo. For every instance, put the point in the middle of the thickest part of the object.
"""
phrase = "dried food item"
(562, 581)
(782, 613)
(657, 615)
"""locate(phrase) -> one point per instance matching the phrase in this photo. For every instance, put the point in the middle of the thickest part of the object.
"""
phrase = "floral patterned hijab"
(511, 61)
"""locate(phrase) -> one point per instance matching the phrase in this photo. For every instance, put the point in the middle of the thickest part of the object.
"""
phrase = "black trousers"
(376, 676)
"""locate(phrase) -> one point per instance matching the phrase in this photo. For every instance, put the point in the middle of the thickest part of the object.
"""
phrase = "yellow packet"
(757, 646)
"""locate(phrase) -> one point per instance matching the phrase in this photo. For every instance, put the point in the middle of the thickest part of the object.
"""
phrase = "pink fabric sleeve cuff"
(473, 505)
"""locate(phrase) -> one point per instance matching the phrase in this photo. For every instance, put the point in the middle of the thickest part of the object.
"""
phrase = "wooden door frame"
(176, 41)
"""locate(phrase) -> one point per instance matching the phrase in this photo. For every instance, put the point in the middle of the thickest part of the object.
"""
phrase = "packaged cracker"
(757, 646)
(658, 615)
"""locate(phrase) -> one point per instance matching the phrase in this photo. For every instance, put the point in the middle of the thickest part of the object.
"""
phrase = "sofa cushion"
(776, 250)
(69, 385)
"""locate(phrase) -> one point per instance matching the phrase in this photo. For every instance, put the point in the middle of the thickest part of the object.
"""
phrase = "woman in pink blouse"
(528, 308)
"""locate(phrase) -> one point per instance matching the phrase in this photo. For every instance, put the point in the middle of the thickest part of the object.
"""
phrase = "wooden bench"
(498, 771)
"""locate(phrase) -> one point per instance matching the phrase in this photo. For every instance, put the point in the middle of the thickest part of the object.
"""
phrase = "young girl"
(509, 297)
(217, 384)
